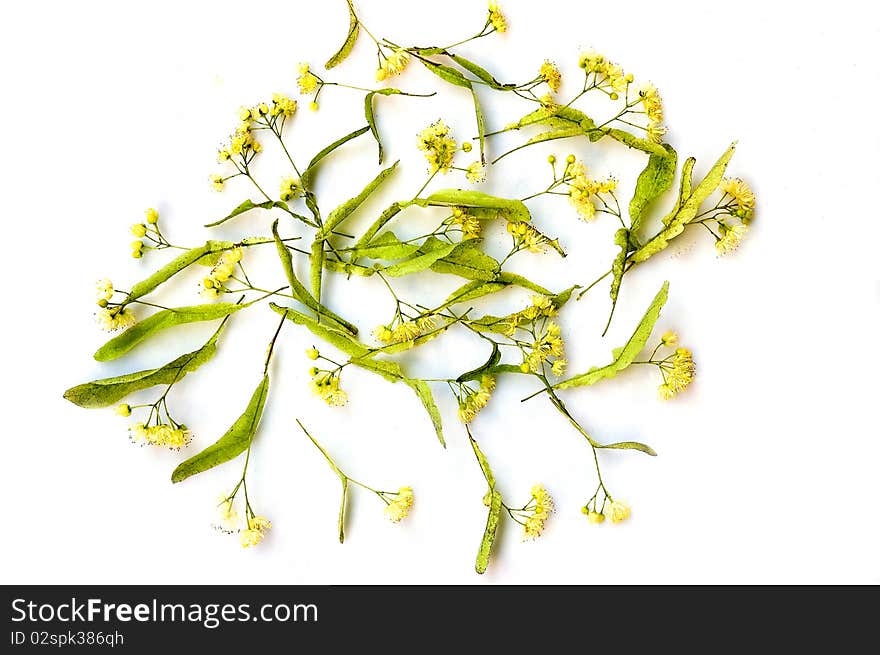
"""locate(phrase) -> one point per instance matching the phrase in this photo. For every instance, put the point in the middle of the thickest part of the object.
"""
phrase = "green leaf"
(481, 459)
(654, 180)
(337, 338)
(108, 391)
(525, 283)
(162, 320)
(554, 134)
(232, 444)
(349, 269)
(480, 72)
(632, 141)
(514, 211)
(385, 246)
(621, 240)
(248, 205)
(630, 445)
(422, 260)
(350, 38)
(175, 266)
(316, 268)
(684, 190)
(489, 533)
(371, 118)
(448, 74)
(478, 372)
(624, 356)
(468, 261)
(688, 209)
(346, 209)
(472, 291)
(300, 292)
(390, 212)
(423, 391)
(309, 174)
(342, 506)
(481, 124)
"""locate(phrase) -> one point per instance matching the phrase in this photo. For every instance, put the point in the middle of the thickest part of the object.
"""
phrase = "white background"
(768, 464)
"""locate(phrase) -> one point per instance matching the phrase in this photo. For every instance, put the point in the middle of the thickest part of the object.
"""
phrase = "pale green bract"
(233, 443)
(624, 356)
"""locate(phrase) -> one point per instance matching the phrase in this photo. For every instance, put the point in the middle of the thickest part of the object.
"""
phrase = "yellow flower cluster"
(551, 75)
(617, 511)
(439, 147)
(474, 401)
(541, 306)
(160, 435)
(282, 106)
(212, 284)
(291, 188)
(470, 225)
(548, 348)
(476, 172)
(115, 318)
(582, 189)
(678, 374)
(608, 74)
(743, 197)
(307, 82)
(399, 508)
(255, 532)
(326, 386)
(496, 18)
(405, 330)
(392, 65)
(534, 524)
(653, 107)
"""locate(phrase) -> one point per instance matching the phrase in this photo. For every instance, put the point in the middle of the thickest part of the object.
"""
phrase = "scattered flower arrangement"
(528, 342)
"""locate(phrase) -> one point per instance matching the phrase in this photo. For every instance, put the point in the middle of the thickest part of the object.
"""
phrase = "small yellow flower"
(313, 106)
(104, 289)
(250, 537)
(743, 196)
(618, 512)
(669, 339)
(139, 230)
(476, 172)
(543, 506)
(218, 182)
(123, 410)
(595, 518)
(731, 238)
(116, 318)
(312, 353)
(399, 508)
(551, 75)
(291, 187)
(226, 513)
(438, 145)
(306, 81)
(499, 22)
(152, 216)
(282, 105)
(392, 65)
